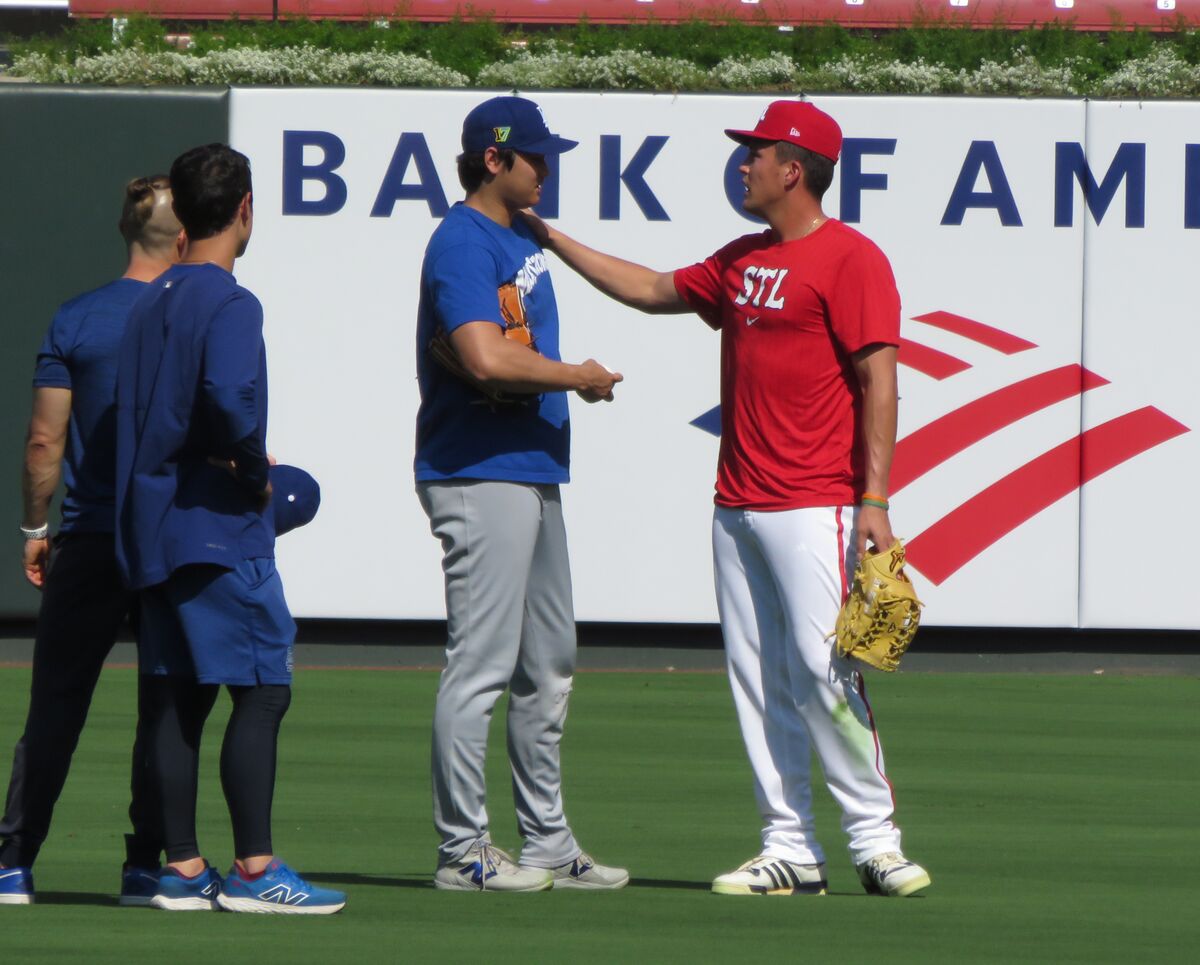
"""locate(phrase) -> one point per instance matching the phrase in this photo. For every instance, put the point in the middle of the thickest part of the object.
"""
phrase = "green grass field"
(1057, 815)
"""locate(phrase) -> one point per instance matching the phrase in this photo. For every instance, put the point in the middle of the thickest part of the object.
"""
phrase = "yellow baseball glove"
(880, 616)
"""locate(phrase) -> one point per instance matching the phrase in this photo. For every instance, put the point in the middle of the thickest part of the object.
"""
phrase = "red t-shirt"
(791, 314)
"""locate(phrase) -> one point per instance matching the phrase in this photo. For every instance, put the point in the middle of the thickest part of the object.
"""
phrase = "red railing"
(1079, 14)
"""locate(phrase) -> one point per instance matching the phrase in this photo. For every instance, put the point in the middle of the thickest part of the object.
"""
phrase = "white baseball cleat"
(767, 875)
(585, 874)
(893, 875)
(487, 868)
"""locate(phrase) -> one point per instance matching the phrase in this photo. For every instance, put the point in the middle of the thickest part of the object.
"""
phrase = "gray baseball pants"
(510, 623)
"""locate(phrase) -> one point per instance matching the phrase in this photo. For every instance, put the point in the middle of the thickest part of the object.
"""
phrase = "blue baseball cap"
(295, 498)
(513, 123)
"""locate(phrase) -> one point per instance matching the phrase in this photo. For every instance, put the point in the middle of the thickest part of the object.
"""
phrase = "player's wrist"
(875, 500)
(35, 532)
(579, 374)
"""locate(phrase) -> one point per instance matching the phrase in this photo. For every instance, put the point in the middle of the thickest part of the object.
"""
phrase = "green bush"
(928, 57)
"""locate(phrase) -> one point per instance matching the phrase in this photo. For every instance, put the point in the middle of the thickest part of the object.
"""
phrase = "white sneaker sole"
(507, 888)
(253, 906)
(16, 899)
(728, 888)
(182, 904)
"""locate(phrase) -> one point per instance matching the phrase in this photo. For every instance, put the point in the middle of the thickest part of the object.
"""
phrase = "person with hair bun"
(72, 437)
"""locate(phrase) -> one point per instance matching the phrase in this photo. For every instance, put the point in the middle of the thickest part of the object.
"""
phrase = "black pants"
(83, 606)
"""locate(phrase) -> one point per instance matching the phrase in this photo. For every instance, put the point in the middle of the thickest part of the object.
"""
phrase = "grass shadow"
(386, 881)
(75, 898)
(669, 883)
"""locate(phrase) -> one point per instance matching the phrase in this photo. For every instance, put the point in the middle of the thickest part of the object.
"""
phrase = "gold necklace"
(814, 225)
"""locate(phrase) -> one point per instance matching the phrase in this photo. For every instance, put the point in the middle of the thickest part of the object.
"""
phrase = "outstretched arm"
(875, 366)
(631, 284)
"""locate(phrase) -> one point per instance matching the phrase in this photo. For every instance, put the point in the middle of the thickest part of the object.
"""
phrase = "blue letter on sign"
(634, 178)
(982, 155)
(296, 172)
(735, 189)
(411, 147)
(548, 206)
(1128, 165)
(854, 182)
(1191, 185)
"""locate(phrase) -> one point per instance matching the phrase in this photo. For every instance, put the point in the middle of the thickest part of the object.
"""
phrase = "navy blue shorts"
(218, 625)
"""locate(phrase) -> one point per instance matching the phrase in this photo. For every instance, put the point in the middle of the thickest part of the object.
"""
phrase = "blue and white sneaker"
(138, 886)
(278, 891)
(486, 868)
(177, 893)
(16, 886)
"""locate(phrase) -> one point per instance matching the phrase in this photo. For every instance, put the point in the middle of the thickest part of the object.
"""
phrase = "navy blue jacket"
(191, 388)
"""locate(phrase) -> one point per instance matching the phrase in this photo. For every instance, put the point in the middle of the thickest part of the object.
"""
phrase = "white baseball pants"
(781, 578)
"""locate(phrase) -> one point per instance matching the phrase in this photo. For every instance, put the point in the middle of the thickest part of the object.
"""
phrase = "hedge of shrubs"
(696, 56)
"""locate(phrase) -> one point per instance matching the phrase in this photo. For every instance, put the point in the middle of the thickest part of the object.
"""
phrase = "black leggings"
(248, 755)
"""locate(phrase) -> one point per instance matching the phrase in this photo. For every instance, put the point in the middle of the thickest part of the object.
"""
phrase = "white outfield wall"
(1044, 252)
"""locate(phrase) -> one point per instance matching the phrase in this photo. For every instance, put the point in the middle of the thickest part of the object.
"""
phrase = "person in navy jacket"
(195, 538)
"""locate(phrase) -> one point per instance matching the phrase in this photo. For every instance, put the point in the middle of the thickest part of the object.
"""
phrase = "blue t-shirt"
(191, 387)
(80, 353)
(460, 435)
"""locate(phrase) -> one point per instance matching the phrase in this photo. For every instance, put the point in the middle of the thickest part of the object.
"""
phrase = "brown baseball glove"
(516, 328)
(880, 616)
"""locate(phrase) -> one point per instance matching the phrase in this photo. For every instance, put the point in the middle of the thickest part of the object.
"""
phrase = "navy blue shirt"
(191, 387)
(80, 353)
(459, 434)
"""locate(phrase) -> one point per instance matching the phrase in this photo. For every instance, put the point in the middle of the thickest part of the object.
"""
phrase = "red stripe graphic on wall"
(1001, 341)
(965, 532)
(929, 361)
(962, 534)
(932, 444)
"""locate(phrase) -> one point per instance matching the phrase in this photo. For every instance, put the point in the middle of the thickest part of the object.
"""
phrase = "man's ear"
(491, 160)
(181, 241)
(246, 208)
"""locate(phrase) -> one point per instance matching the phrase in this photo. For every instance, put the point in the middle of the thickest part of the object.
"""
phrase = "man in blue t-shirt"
(194, 537)
(72, 437)
(493, 445)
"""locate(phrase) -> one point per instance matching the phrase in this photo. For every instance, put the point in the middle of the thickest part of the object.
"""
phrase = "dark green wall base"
(65, 155)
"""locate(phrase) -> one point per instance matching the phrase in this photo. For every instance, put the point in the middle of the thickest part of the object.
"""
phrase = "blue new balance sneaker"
(138, 886)
(177, 893)
(278, 891)
(16, 886)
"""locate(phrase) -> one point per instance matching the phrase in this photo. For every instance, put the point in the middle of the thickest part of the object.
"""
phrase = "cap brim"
(746, 137)
(547, 145)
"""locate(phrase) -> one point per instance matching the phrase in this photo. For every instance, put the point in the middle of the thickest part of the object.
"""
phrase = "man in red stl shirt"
(809, 318)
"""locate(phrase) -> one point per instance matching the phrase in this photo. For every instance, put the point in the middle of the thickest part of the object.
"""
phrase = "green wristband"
(877, 503)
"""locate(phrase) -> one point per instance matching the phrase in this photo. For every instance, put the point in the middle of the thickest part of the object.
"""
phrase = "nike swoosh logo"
(751, 321)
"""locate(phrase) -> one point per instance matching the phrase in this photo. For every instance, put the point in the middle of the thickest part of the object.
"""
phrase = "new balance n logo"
(283, 895)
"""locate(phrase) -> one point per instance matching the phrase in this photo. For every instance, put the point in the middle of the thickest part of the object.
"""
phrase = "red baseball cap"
(796, 122)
